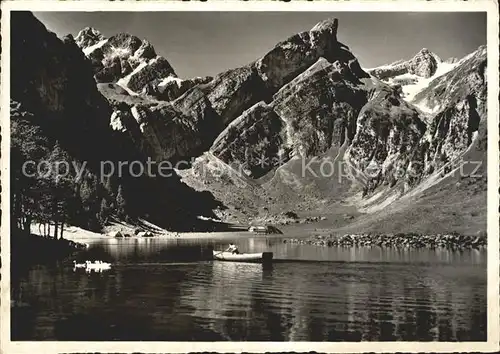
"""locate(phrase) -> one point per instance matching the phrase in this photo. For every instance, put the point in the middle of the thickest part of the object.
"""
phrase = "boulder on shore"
(115, 234)
(291, 215)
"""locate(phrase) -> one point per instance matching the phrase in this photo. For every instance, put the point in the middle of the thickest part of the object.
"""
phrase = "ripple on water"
(373, 296)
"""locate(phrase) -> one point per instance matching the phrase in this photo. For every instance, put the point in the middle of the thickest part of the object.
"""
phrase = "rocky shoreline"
(411, 240)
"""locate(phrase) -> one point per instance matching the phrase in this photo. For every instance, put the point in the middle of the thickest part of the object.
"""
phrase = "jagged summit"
(294, 55)
(329, 26)
(88, 37)
(425, 51)
(468, 74)
(424, 64)
(123, 55)
(331, 23)
(124, 59)
(428, 54)
(416, 74)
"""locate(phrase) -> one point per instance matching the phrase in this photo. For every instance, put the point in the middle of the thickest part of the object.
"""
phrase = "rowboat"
(243, 257)
(97, 265)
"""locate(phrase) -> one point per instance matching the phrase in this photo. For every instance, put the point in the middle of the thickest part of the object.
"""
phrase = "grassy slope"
(241, 195)
(452, 204)
(443, 208)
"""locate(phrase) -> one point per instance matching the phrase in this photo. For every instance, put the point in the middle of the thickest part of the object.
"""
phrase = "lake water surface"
(163, 289)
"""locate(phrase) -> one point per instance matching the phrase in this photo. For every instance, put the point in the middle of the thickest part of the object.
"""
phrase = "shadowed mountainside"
(260, 137)
(58, 115)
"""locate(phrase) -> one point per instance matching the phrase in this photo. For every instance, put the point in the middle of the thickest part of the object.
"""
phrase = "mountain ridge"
(307, 98)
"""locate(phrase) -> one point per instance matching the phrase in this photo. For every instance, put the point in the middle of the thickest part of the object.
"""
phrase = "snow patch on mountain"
(88, 50)
(418, 83)
(138, 117)
(120, 52)
(115, 122)
(411, 80)
(164, 82)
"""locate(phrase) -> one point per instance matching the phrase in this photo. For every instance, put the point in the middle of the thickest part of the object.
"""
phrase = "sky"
(206, 43)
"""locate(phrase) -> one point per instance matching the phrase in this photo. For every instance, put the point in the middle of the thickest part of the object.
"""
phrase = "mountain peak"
(294, 55)
(146, 50)
(424, 63)
(124, 59)
(325, 29)
(330, 24)
(88, 36)
(426, 52)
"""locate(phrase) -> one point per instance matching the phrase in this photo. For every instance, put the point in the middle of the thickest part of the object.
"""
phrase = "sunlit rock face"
(397, 125)
(294, 55)
(317, 89)
(451, 101)
(387, 135)
(456, 104)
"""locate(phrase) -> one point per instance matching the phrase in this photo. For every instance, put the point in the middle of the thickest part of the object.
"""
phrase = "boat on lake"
(243, 257)
(96, 265)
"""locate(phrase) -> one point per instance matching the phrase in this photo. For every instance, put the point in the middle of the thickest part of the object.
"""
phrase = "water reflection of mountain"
(145, 297)
(137, 250)
(244, 302)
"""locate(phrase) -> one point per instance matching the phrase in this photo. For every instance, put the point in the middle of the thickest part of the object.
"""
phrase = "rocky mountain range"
(261, 136)
(56, 106)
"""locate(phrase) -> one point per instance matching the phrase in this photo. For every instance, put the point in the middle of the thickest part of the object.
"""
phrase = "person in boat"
(233, 249)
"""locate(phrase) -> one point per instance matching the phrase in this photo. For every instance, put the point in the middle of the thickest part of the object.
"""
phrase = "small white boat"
(243, 257)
